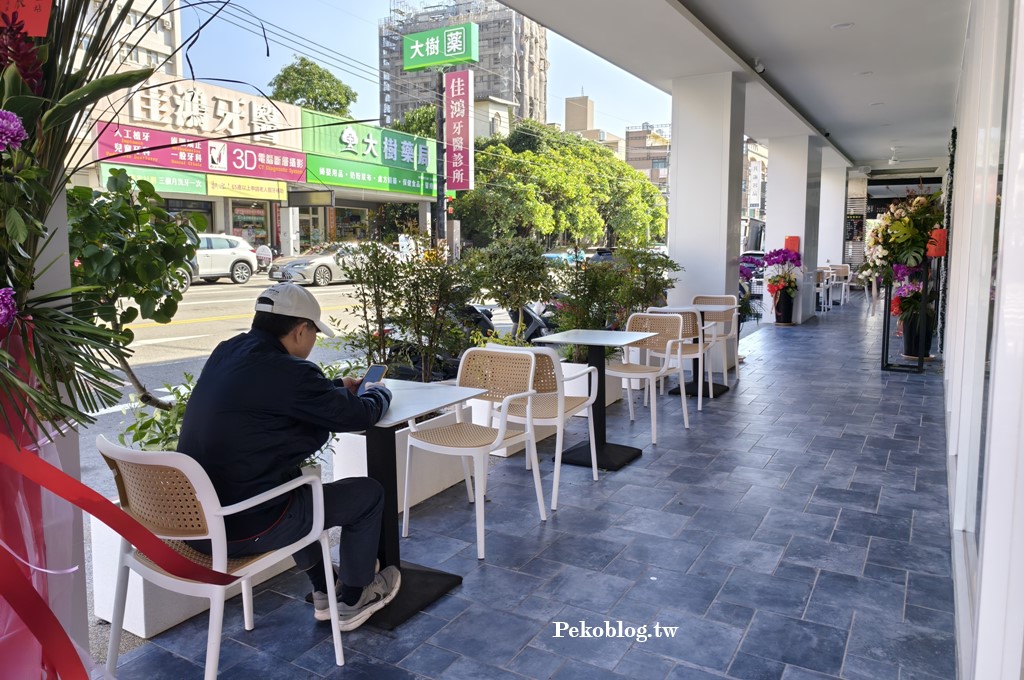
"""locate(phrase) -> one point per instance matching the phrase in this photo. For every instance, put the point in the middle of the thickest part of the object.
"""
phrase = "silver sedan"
(319, 265)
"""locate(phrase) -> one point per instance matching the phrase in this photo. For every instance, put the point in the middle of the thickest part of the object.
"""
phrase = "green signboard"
(343, 172)
(449, 45)
(332, 136)
(162, 180)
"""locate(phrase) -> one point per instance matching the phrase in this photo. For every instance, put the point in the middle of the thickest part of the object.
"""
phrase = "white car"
(224, 255)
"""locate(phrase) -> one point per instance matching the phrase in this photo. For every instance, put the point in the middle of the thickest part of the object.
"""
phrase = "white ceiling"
(888, 80)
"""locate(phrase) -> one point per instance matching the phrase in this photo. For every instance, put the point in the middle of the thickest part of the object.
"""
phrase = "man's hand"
(352, 384)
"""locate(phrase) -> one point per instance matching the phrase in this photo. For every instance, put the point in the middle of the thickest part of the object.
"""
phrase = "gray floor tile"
(798, 531)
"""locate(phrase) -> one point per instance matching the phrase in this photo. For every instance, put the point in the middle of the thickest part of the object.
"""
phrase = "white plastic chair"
(667, 347)
(724, 333)
(551, 406)
(172, 496)
(841, 276)
(823, 288)
(508, 378)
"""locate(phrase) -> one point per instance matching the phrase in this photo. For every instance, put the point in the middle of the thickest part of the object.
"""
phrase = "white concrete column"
(832, 219)
(426, 219)
(707, 163)
(793, 205)
(289, 231)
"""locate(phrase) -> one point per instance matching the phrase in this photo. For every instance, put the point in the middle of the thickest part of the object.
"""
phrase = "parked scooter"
(537, 321)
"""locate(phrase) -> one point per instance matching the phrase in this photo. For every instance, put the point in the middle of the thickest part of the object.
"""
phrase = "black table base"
(420, 587)
(691, 389)
(609, 456)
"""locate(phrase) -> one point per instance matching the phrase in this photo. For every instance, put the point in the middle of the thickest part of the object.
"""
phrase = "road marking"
(226, 317)
(157, 341)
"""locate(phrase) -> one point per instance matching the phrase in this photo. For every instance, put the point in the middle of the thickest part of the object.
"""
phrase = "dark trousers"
(354, 504)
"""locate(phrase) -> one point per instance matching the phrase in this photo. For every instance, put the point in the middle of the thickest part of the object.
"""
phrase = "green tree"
(421, 121)
(307, 84)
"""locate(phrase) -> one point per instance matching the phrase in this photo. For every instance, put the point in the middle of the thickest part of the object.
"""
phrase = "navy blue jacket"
(256, 413)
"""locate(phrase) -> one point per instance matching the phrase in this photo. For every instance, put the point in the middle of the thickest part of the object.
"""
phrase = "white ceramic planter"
(433, 474)
(149, 609)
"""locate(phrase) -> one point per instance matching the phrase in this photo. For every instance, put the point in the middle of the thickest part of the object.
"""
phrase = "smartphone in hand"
(375, 373)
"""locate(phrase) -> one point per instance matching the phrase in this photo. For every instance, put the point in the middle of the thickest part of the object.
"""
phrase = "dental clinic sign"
(441, 46)
(458, 130)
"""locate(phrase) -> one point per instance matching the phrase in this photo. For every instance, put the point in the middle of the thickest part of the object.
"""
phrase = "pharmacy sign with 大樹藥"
(441, 46)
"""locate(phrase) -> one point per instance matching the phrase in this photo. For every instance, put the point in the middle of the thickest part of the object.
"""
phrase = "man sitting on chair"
(257, 412)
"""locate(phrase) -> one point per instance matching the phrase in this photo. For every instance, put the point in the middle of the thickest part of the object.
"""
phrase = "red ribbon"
(16, 589)
(38, 618)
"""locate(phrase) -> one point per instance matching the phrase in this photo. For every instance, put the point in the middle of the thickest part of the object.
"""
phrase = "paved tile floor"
(797, 531)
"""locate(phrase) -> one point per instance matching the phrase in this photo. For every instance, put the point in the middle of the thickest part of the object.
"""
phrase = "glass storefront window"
(251, 220)
(311, 227)
(351, 224)
(177, 206)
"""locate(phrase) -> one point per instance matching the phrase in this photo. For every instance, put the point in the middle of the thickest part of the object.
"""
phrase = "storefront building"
(232, 158)
(181, 136)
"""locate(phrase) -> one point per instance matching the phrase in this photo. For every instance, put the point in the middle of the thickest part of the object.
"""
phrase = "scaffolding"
(512, 66)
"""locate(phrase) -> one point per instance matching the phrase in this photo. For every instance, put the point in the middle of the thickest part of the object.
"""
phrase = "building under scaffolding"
(513, 57)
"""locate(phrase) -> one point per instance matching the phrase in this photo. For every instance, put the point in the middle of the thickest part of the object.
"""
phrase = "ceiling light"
(842, 26)
(758, 66)
(893, 160)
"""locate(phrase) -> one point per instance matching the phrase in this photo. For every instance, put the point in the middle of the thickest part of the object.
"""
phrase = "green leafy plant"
(125, 246)
(644, 280)
(51, 84)
(514, 272)
(375, 272)
(157, 429)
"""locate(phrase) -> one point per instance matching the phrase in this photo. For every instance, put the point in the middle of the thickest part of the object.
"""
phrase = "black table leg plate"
(421, 586)
(691, 389)
(609, 456)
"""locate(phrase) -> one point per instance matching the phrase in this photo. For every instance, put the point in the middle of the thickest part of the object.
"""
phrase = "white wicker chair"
(551, 406)
(172, 496)
(724, 333)
(508, 379)
(669, 348)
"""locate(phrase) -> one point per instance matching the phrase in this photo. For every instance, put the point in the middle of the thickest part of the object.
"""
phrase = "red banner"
(35, 14)
(458, 130)
(135, 145)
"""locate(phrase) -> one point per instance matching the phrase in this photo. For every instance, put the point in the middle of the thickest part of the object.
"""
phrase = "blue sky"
(349, 28)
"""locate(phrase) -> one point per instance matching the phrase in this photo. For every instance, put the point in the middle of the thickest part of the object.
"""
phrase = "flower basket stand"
(922, 329)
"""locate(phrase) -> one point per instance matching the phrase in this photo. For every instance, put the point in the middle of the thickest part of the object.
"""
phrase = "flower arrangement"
(904, 233)
(784, 266)
(908, 287)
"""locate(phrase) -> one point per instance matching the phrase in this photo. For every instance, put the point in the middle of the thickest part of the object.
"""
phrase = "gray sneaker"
(375, 596)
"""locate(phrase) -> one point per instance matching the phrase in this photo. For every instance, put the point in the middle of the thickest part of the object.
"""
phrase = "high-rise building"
(579, 118)
(513, 64)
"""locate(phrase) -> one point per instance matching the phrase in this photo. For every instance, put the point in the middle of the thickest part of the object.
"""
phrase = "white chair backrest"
(547, 376)
(169, 493)
(501, 373)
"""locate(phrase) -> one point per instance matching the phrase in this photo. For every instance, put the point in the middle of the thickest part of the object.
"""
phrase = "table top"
(690, 308)
(411, 399)
(594, 338)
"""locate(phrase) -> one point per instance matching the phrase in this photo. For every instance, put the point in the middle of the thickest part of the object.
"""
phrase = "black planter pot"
(911, 338)
(784, 308)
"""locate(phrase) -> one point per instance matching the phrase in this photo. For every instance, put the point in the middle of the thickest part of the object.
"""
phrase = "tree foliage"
(421, 121)
(544, 183)
(306, 83)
